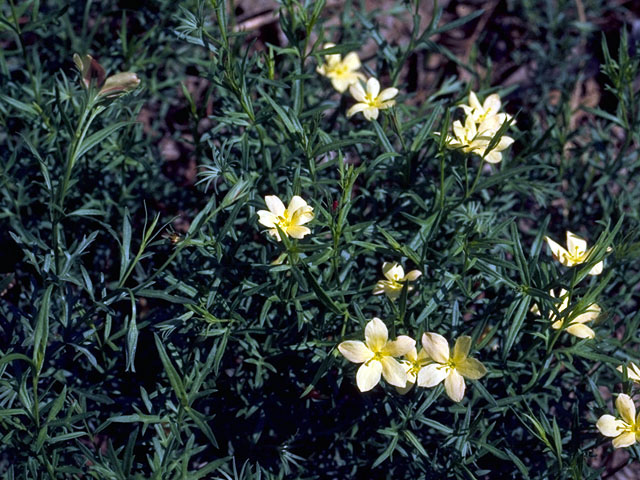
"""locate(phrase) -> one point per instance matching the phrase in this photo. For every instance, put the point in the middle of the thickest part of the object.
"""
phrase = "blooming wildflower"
(412, 364)
(376, 355)
(290, 220)
(472, 138)
(625, 430)
(452, 369)
(341, 72)
(577, 325)
(575, 254)
(487, 113)
(372, 100)
(394, 273)
(633, 371)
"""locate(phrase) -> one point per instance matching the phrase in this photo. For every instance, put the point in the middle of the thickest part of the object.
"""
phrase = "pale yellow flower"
(487, 113)
(453, 369)
(372, 100)
(342, 72)
(576, 325)
(376, 355)
(625, 430)
(395, 278)
(633, 371)
(412, 364)
(290, 220)
(472, 138)
(575, 254)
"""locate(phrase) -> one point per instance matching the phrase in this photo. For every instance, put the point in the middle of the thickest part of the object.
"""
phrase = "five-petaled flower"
(372, 100)
(290, 219)
(395, 278)
(487, 113)
(576, 325)
(633, 371)
(453, 369)
(575, 254)
(376, 355)
(341, 71)
(413, 363)
(625, 430)
(472, 138)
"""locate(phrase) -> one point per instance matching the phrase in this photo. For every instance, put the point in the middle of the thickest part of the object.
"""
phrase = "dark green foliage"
(149, 328)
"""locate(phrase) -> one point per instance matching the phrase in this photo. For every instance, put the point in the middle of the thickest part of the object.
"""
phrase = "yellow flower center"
(284, 221)
(371, 100)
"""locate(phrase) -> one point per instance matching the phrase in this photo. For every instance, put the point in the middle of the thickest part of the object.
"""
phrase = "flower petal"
(373, 87)
(610, 426)
(558, 252)
(626, 408)
(371, 113)
(493, 157)
(376, 334)
(580, 330)
(351, 61)
(412, 276)
(436, 347)
(592, 312)
(302, 215)
(368, 375)
(461, 348)
(296, 203)
(400, 346)
(392, 271)
(355, 351)
(576, 245)
(597, 268)
(393, 372)
(387, 94)
(454, 386)
(473, 101)
(266, 218)
(297, 231)
(624, 440)
(357, 92)
(357, 108)
(341, 83)
(275, 205)
(472, 369)
(432, 374)
(492, 104)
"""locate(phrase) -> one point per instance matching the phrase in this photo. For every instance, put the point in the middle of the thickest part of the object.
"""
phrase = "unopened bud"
(122, 82)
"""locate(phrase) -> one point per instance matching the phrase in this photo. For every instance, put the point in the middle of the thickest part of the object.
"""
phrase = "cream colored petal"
(458, 130)
(470, 127)
(393, 372)
(400, 346)
(412, 355)
(373, 87)
(432, 374)
(412, 276)
(610, 426)
(302, 215)
(355, 351)
(267, 218)
(592, 312)
(358, 107)
(580, 330)
(392, 290)
(634, 372)
(472, 369)
(352, 61)
(473, 101)
(461, 348)
(558, 252)
(341, 84)
(321, 69)
(379, 288)
(392, 271)
(597, 268)
(423, 356)
(297, 231)
(557, 325)
(387, 94)
(376, 334)
(274, 233)
(575, 244)
(626, 408)
(492, 104)
(454, 386)
(436, 347)
(493, 157)
(357, 92)
(368, 375)
(275, 205)
(296, 203)
(624, 440)
(504, 143)
(371, 113)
